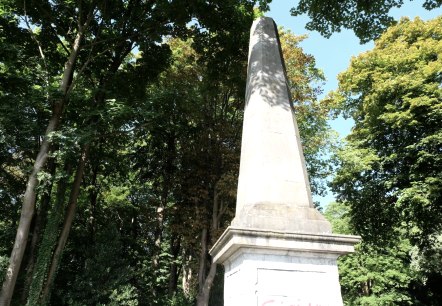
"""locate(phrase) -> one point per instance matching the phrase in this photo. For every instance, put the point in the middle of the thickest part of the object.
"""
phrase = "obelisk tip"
(273, 187)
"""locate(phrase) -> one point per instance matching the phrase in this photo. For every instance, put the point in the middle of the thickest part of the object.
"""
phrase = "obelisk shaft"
(279, 249)
(273, 186)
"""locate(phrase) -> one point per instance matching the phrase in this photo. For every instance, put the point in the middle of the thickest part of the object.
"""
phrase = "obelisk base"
(279, 268)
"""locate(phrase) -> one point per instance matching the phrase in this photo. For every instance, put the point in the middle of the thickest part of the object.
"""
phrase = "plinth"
(280, 268)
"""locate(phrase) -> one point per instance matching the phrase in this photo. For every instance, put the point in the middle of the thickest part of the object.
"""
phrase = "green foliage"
(368, 19)
(163, 130)
(124, 295)
(45, 251)
(22, 105)
(390, 170)
(4, 261)
(305, 81)
(103, 277)
(377, 277)
(373, 275)
(338, 215)
(180, 300)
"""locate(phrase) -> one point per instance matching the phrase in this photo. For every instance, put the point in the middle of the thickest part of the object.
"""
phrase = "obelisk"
(279, 250)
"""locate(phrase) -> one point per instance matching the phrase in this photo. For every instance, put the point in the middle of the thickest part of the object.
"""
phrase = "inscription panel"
(291, 288)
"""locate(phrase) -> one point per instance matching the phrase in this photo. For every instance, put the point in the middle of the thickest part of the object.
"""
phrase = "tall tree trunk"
(158, 236)
(38, 224)
(167, 172)
(175, 247)
(27, 211)
(93, 195)
(205, 282)
(203, 261)
(204, 294)
(69, 218)
(187, 274)
(49, 238)
(28, 206)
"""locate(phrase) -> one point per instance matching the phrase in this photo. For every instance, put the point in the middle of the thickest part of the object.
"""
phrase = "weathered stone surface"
(278, 268)
(234, 239)
(273, 186)
(254, 278)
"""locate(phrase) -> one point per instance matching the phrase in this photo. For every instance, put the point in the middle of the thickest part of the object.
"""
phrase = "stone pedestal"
(280, 268)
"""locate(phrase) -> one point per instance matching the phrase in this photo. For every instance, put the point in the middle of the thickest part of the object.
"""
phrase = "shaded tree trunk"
(28, 206)
(204, 294)
(205, 282)
(49, 238)
(203, 260)
(167, 172)
(69, 218)
(27, 211)
(38, 224)
(93, 195)
(175, 247)
(187, 275)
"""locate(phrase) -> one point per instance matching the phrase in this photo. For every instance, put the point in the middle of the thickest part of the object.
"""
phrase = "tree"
(195, 117)
(305, 81)
(84, 42)
(374, 274)
(143, 148)
(390, 170)
(57, 32)
(197, 181)
(368, 19)
(22, 105)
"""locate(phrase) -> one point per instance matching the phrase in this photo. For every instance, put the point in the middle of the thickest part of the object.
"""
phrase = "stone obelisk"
(279, 250)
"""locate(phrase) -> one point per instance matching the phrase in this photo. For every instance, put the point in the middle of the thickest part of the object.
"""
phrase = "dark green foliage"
(390, 170)
(159, 107)
(376, 274)
(98, 273)
(368, 19)
(22, 109)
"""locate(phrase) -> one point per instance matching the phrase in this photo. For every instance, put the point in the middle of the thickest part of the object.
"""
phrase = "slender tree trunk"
(93, 195)
(167, 172)
(204, 294)
(187, 274)
(203, 261)
(69, 218)
(49, 238)
(27, 211)
(205, 282)
(28, 206)
(39, 222)
(175, 247)
(158, 237)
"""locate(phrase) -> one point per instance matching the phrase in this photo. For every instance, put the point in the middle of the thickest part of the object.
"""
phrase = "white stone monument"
(279, 250)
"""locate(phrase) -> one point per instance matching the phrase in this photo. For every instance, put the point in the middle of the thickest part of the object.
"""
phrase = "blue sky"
(333, 55)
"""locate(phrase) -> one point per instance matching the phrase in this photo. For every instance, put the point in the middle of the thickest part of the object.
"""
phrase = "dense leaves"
(390, 170)
(374, 275)
(68, 65)
(134, 111)
(155, 134)
(305, 81)
(368, 19)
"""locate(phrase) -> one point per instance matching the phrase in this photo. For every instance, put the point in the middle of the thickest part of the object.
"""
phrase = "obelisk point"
(273, 186)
